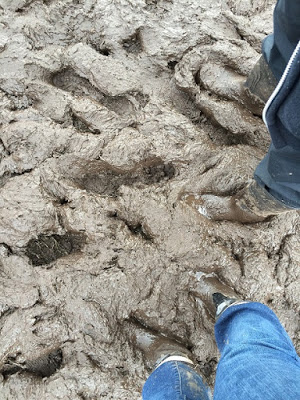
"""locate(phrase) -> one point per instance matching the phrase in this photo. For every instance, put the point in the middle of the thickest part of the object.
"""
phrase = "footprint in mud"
(46, 249)
(123, 105)
(69, 81)
(216, 77)
(102, 178)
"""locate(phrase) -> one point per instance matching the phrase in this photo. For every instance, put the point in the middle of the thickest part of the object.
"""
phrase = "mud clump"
(46, 249)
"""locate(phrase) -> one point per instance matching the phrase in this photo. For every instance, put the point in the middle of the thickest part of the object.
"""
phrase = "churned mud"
(110, 112)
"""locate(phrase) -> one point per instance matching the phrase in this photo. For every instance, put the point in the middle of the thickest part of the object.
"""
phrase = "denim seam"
(179, 378)
(177, 385)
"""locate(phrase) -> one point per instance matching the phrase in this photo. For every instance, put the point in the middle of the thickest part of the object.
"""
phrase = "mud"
(110, 111)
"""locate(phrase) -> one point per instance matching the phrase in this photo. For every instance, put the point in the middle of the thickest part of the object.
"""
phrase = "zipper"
(281, 82)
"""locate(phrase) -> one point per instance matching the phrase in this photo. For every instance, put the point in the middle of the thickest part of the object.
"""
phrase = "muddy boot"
(256, 201)
(252, 204)
(157, 348)
(206, 286)
(222, 302)
(261, 82)
(215, 295)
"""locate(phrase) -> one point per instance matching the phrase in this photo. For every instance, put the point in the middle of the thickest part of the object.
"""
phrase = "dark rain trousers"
(279, 171)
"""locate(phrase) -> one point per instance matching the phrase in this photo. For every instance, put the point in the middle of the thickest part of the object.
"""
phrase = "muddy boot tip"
(155, 347)
(261, 82)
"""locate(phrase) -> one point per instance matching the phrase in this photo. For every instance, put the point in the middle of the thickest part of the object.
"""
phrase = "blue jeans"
(258, 361)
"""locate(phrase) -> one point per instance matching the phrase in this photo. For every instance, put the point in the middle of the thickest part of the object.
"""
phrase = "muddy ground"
(110, 111)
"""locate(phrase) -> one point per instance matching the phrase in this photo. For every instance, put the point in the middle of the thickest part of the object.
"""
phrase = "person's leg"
(278, 47)
(175, 380)
(258, 359)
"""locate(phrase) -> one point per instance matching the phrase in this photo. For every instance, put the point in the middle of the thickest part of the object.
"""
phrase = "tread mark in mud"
(43, 366)
(152, 5)
(209, 367)
(105, 51)
(62, 201)
(46, 249)
(139, 229)
(102, 178)
(7, 310)
(141, 98)
(7, 248)
(81, 126)
(136, 228)
(28, 4)
(172, 64)
(134, 43)
(7, 175)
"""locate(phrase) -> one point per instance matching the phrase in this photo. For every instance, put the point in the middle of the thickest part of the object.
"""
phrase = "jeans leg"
(278, 47)
(258, 359)
(175, 380)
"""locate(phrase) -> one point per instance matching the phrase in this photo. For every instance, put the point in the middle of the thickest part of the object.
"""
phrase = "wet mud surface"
(110, 111)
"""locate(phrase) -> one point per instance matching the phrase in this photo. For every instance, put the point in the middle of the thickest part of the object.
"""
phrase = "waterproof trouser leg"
(279, 171)
(278, 47)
